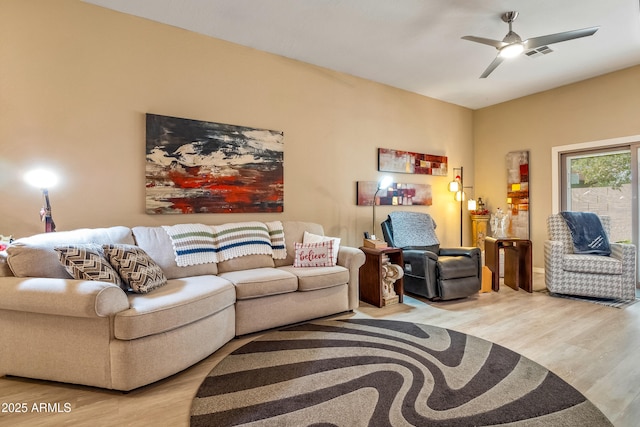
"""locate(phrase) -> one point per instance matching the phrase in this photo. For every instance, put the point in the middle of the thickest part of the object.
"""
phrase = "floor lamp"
(383, 184)
(456, 186)
(44, 180)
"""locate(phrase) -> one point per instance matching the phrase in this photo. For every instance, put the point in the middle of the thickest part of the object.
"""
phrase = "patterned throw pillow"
(87, 262)
(138, 271)
(318, 254)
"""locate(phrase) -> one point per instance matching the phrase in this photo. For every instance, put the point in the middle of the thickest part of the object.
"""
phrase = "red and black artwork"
(196, 166)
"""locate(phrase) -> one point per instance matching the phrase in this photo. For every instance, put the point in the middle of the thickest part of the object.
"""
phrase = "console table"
(517, 262)
(371, 274)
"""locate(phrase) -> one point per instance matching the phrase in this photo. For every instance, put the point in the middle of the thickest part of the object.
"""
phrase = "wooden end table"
(371, 274)
(517, 262)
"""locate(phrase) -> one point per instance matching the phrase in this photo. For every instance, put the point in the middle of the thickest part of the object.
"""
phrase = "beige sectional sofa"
(89, 332)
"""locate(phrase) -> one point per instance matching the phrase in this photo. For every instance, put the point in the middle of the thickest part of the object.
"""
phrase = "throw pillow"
(138, 271)
(314, 254)
(315, 238)
(87, 262)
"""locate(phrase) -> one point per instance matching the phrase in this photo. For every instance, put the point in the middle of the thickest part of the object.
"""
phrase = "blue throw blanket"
(587, 232)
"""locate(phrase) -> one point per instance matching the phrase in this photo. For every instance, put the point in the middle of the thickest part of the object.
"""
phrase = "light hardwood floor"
(594, 348)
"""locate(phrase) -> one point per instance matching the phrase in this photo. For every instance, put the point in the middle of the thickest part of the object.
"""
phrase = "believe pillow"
(315, 238)
(314, 254)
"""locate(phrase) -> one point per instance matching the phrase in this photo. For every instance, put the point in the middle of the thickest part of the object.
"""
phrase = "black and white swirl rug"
(384, 373)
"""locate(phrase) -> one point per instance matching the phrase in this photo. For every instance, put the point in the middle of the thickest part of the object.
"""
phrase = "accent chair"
(599, 276)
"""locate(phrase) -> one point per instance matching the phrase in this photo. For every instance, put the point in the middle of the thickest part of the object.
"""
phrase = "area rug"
(365, 372)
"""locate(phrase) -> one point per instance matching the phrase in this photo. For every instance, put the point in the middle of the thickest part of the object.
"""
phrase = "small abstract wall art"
(407, 162)
(518, 193)
(196, 166)
(396, 195)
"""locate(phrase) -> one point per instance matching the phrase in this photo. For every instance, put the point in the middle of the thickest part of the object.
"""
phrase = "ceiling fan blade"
(492, 66)
(536, 42)
(495, 43)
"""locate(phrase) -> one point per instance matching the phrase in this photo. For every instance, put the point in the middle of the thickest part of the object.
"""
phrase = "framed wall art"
(397, 194)
(518, 193)
(196, 166)
(390, 160)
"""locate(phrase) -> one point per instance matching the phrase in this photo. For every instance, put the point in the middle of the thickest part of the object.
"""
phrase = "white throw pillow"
(315, 238)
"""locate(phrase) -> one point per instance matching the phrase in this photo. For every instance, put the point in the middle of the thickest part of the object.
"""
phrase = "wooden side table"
(371, 274)
(518, 264)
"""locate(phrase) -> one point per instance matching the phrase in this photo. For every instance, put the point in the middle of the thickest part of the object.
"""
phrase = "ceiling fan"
(512, 45)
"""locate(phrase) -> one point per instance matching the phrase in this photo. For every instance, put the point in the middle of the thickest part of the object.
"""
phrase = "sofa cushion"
(294, 232)
(87, 262)
(246, 262)
(312, 278)
(598, 264)
(138, 271)
(34, 256)
(178, 303)
(260, 282)
(156, 242)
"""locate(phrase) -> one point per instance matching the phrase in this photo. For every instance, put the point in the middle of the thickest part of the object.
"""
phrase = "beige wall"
(601, 108)
(76, 81)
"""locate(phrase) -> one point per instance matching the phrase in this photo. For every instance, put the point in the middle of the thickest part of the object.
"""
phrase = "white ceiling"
(416, 45)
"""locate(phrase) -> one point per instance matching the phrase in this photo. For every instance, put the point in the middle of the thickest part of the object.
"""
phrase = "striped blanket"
(276, 234)
(198, 244)
(193, 244)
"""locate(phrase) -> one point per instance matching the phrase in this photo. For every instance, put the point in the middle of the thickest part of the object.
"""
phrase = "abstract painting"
(195, 166)
(407, 162)
(396, 195)
(518, 193)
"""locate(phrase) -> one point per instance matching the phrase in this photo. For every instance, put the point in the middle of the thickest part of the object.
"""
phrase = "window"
(600, 177)
(599, 181)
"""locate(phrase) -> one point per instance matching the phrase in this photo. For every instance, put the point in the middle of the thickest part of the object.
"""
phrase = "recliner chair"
(429, 270)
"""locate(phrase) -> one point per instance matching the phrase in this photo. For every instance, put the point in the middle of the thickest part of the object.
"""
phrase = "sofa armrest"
(418, 256)
(626, 253)
(554, 251)
(352, 259)
(63, 297)
(462, 251)
(420, 264)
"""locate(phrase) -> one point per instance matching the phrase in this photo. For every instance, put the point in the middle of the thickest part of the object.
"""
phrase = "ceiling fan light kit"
(512, 50)
(512, 45)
